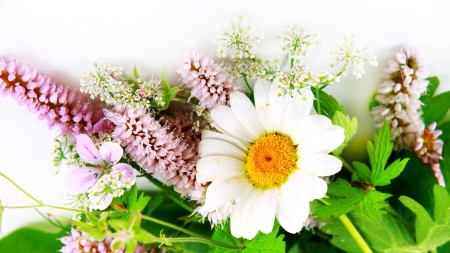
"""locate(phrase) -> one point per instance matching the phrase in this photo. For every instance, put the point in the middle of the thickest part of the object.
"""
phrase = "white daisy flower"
(268, 159)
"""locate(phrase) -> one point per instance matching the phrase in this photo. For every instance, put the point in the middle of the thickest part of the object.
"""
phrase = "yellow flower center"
(271, 160)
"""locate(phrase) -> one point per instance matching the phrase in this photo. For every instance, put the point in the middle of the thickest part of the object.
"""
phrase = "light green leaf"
(31, 240)
(142, 202)
(131, 198)
(370, 207)
(119, 225)
(131, 246)
(373, 102)
(391, 172)
(379, 152)
(431, 233)
(342, 239)
(168, 93)
(433, 85)
(350, 126)
(135, 73)
(445, 163)
(363, 171)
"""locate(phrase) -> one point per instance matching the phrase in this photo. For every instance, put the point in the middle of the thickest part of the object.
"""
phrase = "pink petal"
(127, 171)
(103, 199)
(79, 180)
(111, 152)
(87, 150)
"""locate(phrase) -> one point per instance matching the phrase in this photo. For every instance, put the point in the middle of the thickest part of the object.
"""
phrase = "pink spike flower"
(55, 103)
(104, 178)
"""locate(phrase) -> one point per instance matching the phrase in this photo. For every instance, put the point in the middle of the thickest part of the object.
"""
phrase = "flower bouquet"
(246, 154)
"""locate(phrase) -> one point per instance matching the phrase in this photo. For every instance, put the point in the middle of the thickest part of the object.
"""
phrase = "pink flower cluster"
(157, 150)
(73, 243)
(55, 103)
(210, 83)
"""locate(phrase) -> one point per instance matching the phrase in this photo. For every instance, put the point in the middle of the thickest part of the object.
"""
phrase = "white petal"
(212, 168)
(242, 220)
(87, 150)
(208, 134)
(298, 108)
(111, 152)
(309, 125)
(223, 191)
(266, 208)
(293, 207)
(323, 142)
(211, 147)
(278, 104)
(313, 187)
(79, 180)
(320, 164)
(245, 112)
(262, 104)
(102, 201)
(228, 123)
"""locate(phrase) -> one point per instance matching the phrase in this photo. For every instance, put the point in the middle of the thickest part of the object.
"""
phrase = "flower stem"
(355, 234)
(318, 100)
(170, 225)
(246, 82)
(346, 165)
(20, 189)
(45, 205)
(202, 240)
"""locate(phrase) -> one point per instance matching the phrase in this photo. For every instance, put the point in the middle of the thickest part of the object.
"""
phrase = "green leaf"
(119, 225)
(142, 202)
(433, 85)
(363, 171)
(328, 104)
(434, 109)
(131, 199)
(135, 73)
(349, 125)
(391, 172)
(31, 240)
(379, 153)
(168, 93)
(445, 127)
(155, 202)
(342, 239)
(269, 243)
(373, 102)
(431, 232)
(347, 198)
(445, 163)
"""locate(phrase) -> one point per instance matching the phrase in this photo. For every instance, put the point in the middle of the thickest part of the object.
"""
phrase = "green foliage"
(95, 226)
(31, 240)
(373, 102)
(431, 231)
(167, 93)
(342, 239)
(135, 72)
(270, 243)
(347, 198)
(133, 202)
(433, 85)
(445, 163)
(435, 107)
(445, 127)
(350, 126)
(328, 104)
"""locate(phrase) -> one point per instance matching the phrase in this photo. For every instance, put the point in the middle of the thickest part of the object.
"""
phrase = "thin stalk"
(20, 189)
(246, 82)
(346, 165)
(184, 100)
(352, 230)
(170, 225)
(45, 205)
(201, 240)
(318, 100)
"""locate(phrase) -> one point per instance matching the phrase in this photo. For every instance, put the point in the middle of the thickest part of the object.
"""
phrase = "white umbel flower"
(268, 159)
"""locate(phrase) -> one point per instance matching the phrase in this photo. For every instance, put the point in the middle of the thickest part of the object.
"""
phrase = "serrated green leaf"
(119, 225)
(391, 172)
(328, 104)
(431, 233)
(433, 85)
(379, 152)
(270, 243)
(350, 126)
(135, 73)
(363, 171)
(131, 198)
(434, 109)
(142, 202)
(347, 199)
(370, 207)
(445, 163)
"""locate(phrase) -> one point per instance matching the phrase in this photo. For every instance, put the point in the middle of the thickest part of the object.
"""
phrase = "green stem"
(352, 230)
(170, 225)
(318, 100)
(355, 234)
(22, 190)
(184, 100)
(346, 165)
(201, 240)
(45, 205)
(246, 82)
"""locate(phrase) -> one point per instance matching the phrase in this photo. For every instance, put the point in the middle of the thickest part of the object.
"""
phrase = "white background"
(62, 38)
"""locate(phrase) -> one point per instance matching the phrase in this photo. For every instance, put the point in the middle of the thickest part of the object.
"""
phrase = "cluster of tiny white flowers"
(201, 118)
(76, 201)
(107, 83)
(295, 41)
(102, 137)
(301, 76)
(64, 150)
(255, 68)
(237, 40)
(348, 53)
